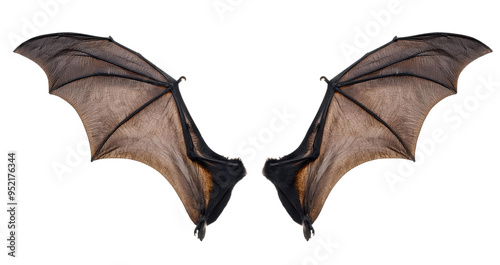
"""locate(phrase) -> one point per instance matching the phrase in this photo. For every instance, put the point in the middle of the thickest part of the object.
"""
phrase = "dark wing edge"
(289, 173)
(224, 172)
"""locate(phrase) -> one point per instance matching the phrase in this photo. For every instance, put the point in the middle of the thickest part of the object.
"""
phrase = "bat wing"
(132, 109)
(373, 109)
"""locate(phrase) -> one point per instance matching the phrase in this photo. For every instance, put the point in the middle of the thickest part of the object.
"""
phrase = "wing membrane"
(132, 109)
(373, 109)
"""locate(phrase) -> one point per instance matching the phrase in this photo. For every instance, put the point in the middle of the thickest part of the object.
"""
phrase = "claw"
(181, 78)
(200, 229)
(323, 78)
(307, 228)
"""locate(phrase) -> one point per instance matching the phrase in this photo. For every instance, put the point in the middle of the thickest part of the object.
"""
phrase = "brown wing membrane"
(131, 109)
(373, 109)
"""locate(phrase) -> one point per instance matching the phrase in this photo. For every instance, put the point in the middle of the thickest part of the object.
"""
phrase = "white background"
(245, 62)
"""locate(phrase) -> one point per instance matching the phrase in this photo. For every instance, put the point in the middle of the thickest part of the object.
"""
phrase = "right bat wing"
(132, 109)
(374, 109)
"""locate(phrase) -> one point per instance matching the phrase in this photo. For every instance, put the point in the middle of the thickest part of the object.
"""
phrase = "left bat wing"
(373, 109)
(132, 109)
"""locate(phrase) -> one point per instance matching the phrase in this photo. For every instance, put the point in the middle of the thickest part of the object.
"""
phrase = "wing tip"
(57, 35)
(448, 35)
